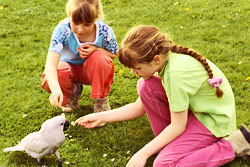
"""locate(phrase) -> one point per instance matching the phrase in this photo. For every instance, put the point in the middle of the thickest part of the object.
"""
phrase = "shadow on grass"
(20, 159)
(84, 110)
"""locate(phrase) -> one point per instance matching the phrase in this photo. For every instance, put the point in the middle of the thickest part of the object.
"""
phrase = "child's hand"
(89, 121)
(138, 160)
(85, 50)
(56, 98)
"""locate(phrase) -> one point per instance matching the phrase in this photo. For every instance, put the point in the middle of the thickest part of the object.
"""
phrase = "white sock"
(75, 88)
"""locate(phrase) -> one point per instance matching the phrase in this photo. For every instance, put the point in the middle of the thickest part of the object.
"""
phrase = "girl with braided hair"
(190, 105)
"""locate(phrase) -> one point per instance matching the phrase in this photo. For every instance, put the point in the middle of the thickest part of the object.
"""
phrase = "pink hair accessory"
(215, 82)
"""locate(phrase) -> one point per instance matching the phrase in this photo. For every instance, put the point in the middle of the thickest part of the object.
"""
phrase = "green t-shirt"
(185, 81)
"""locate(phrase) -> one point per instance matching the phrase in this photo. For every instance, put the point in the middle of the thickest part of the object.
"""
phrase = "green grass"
(219, 30)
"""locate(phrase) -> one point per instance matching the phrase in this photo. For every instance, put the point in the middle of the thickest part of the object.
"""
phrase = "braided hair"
(142, 43)
(184, 50)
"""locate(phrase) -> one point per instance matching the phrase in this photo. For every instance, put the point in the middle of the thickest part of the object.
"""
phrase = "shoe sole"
(246, 133)
(67, 110)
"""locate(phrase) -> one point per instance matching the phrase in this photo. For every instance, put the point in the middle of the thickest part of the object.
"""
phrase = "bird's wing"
(35, 145)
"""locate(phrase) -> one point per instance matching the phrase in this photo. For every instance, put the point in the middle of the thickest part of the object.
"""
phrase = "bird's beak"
(66, 125)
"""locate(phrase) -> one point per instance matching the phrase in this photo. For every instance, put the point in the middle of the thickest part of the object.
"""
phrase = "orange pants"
(97, 71)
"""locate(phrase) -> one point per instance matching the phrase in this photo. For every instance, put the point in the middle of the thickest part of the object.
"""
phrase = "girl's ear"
(157, 59)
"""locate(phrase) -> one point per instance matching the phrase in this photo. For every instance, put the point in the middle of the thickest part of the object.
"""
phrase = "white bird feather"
(44, 142)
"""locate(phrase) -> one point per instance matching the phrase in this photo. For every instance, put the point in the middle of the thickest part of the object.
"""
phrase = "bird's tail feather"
(15, 148)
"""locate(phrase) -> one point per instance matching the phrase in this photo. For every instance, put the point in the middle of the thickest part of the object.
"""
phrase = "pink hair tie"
(215, 82)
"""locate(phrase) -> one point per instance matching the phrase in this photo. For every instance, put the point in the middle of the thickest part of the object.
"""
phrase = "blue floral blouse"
(65, 42)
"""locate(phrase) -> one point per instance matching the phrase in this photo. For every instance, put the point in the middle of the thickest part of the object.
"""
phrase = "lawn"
(219, 30)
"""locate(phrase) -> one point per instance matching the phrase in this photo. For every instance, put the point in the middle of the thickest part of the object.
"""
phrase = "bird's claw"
(59, 163)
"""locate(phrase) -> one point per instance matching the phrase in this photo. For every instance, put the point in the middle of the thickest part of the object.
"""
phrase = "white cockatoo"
(44, 142)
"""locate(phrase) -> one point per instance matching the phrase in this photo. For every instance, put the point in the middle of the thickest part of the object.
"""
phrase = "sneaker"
(101, 105)
(73, 99)
(240, 140)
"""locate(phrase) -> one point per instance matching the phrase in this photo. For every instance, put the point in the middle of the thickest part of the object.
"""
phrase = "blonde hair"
(142, 43)
(84, 11)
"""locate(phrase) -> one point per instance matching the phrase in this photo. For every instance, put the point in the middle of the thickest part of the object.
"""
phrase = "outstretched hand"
(89, 121)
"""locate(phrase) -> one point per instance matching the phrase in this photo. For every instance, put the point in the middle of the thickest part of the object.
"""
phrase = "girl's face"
(82, 30)
(147, 70)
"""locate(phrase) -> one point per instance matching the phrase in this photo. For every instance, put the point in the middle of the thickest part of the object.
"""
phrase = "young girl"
(80, 52)
(190, 106)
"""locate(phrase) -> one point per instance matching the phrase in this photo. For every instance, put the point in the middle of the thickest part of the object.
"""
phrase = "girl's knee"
(99, 57)
(64, 70)
(147, 85)
(155, 80)
(140, 82)
(62, 65)
(64, 73)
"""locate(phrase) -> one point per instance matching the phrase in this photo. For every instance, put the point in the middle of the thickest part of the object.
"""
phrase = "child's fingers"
(86, 46)
(82, 48)
(79, 120)
(54, 100)
(90, 124)
(85, 124)
(88, 121)
(83, 119)
(61, 100)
